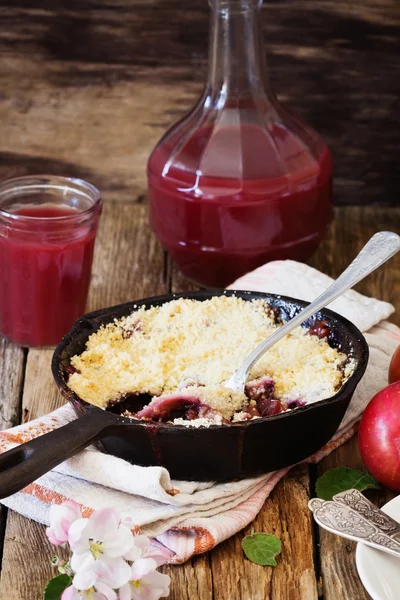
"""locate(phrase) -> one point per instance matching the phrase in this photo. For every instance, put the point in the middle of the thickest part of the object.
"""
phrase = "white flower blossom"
(61, 518)
(102, 534)
(145, 583)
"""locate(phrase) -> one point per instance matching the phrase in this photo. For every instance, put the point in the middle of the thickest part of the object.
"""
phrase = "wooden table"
(86, 89)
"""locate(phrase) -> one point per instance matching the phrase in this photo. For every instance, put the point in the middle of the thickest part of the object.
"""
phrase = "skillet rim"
(346, 390)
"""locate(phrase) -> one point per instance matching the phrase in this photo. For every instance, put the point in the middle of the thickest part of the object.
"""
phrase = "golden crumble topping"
(194, 346)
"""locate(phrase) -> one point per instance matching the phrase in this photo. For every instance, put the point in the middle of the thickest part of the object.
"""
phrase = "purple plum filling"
(260, 394)
(296, 403)
(320, 328)
(175, 406)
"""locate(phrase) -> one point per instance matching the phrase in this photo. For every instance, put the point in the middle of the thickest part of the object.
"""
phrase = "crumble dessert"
(182, 353)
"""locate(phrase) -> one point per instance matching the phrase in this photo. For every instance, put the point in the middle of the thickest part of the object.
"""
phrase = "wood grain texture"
(26, 564)
(87, 88)
(137, 268)
(128, 264)
(12, 363)
(352, 227)
(26, 548)
(350, 230)
(192, 580)
(284, 515)
(340, 580)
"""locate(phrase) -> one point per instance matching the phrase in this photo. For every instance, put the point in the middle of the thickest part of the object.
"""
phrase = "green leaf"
(56, 586)
(340, 479)
(261, 548)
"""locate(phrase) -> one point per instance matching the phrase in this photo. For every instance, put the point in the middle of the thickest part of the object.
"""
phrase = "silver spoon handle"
(379, 249)
(357, 501)
(344, 521)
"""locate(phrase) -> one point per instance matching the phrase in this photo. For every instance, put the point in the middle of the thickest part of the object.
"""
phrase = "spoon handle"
(344, 521)
(379, 249)
(357, 501)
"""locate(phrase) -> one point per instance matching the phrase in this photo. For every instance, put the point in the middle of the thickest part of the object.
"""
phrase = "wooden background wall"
(88, 86)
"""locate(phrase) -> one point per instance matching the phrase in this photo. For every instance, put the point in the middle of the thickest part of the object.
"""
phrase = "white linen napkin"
(192, 517)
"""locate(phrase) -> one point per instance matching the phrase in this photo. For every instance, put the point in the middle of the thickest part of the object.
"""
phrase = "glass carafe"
(238, 181)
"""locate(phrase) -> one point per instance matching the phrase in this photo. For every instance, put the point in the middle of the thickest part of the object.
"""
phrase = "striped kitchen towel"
(192, 517)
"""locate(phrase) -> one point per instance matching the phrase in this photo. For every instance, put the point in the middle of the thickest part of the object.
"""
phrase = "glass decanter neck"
(237, 66)
(233, 5)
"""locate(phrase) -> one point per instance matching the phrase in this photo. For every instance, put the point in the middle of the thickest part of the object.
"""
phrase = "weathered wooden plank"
(339, 576)
(283, 515)
(102, 81)
(351, 229)
(128, 261)
(26, 548)
(231, 574)
(300, 581)
(128, 264)
(12, 364)
(192, 580)
(11, 379)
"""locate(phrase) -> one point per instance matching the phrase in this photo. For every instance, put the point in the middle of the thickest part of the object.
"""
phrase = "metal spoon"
(357, 501)
(379, 249)
(343, 520)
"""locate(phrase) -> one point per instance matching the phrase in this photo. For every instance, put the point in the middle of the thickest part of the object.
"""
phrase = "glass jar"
(238, 181)
(47, 233)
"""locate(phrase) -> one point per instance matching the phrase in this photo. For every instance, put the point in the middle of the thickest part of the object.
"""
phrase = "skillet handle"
(26, 463)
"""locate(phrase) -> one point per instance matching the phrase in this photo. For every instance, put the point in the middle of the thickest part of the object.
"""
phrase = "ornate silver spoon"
(357, 501)
(342, 520)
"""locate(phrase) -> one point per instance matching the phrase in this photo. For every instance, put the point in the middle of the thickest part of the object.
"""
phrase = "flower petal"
(84, 579)
(118, 542)
(107, 592)
(61, 516)
(142, 567)
(82, 562)
(52, 537)
(114, 572)
(159, 583)
(128, 522)
(133, 554)
(125, 592)
(70, 593)
(103, 521)
(78, 535)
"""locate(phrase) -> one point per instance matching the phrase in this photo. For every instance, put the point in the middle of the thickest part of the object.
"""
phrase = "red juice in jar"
(47, 233)
(238, 181)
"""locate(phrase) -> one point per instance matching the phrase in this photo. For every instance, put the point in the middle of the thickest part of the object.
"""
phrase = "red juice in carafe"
(238, 181)
(46, 252)
(230, 198)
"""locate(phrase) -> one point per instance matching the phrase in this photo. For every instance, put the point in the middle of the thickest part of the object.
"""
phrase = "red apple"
(379, 436)
(394, 367)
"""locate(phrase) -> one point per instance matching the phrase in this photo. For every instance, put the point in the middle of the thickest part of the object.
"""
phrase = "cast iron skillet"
(219, 452)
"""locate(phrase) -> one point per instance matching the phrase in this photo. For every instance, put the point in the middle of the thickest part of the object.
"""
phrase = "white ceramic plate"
(380, 572)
